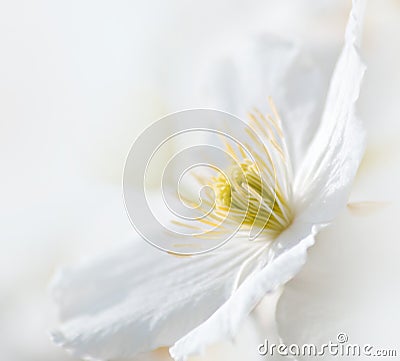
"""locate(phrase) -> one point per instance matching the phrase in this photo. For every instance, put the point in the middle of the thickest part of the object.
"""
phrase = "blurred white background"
(79, 80)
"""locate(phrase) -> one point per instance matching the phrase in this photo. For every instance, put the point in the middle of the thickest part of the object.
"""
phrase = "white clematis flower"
(138, 299)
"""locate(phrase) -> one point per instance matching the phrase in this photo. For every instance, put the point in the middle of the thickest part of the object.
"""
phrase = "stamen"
(255, 192)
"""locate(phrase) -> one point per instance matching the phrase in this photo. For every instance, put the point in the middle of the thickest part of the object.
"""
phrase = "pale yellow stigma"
(223, 192)
(243, 195)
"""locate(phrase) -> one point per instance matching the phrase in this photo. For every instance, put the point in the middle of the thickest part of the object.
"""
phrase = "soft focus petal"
(258, 67)
(242, 347)
(349, 284)
(226, 321)
(136, 298)
(325, 176)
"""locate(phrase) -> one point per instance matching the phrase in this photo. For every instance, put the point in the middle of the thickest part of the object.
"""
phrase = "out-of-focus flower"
(349, 285)
(137, 299)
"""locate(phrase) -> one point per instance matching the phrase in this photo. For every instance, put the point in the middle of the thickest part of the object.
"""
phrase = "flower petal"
(225, 322)
(349, 284)
(137, 298)
(324, 178)
(262, 66)
(243, 347)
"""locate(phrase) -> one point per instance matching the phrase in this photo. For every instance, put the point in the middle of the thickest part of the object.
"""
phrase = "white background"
(80, 79)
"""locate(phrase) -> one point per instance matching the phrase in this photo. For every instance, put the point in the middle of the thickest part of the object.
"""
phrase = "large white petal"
(349, 284)
(137, 298)
(225, 322)
(325, 176)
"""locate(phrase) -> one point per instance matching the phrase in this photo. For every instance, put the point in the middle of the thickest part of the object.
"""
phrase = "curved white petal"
(225, 322)
(349, 284)
(324, 178)
(137, 298)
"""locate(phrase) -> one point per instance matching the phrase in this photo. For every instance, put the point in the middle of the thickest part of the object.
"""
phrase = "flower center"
(255, 192)
(245, 196)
